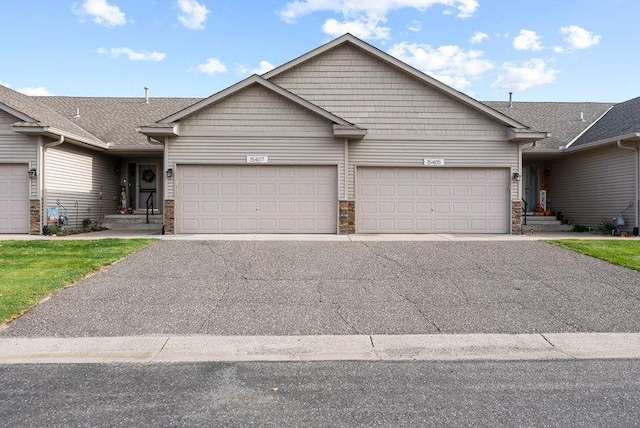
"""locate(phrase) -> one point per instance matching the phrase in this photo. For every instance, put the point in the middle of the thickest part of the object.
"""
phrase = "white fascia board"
(169, 130)
(350, 132)
(588, 127)
(16, 113)
(55, 133)
(525, 135)
(604, 142)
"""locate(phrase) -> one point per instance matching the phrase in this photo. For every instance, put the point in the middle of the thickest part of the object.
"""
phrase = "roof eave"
(349, 132)
(48, 131)
(633, 136)
(517, 135)
(168, 130)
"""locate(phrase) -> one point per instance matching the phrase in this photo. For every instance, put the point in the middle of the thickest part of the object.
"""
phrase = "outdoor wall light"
(169, 172)
(516, 176)
(33, 173)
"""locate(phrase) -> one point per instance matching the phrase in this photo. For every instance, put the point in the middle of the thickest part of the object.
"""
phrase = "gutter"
(636, 183)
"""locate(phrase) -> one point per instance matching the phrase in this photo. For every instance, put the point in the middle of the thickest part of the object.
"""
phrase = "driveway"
(307, 288)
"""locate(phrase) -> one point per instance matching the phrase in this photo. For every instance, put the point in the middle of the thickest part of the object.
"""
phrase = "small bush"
(580, 228)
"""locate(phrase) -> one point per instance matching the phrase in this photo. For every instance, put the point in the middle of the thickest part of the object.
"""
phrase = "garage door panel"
(14, 198)
(257, 198)
(430, 200)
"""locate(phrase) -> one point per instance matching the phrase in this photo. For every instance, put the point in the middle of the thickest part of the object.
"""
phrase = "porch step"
(133, 222)
(544, 224)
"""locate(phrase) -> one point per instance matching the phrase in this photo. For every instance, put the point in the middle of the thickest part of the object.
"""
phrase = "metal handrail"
(524, 212)
(149, 203)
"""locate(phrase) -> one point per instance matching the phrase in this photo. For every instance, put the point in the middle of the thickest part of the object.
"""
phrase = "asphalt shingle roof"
(562, 120)
(622, 119)
(114, 120)
(42, 114)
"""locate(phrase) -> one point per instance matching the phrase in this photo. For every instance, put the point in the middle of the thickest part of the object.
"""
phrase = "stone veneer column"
(169, 216)
(35, 217)
(347, 217)
(516, 217)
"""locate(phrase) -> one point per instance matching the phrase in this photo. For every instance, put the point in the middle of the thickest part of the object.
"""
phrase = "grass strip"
(32, 270)
(620, 252)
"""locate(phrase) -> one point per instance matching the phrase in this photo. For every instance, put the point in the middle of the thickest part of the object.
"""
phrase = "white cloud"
(296, 9)
(449, 64)
(102, 12)
(35, 92)
(415, 26)
(362, 29)
(527, 40)
(579, 38)
(263, 67)
(132, 55)
(558, 49)
(524, 76)
(192, 14)
(363, 18)
(479, 37)
(211, 66)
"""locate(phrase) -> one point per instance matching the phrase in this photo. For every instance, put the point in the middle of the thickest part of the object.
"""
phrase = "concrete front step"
(133, 222)
(544, 224)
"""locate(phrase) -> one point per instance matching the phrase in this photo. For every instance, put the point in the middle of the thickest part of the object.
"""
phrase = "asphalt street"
(340, 288)
(588, 393)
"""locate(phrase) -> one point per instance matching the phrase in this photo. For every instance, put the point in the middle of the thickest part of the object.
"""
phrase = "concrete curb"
(171, 349)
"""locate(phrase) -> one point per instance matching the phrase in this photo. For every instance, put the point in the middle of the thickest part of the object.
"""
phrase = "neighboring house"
(344, 139)
(589, 163)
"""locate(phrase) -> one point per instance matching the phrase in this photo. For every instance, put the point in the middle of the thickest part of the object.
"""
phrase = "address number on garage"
(257, 159)
(434, 162)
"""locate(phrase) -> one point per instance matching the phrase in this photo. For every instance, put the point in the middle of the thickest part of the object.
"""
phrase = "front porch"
(134, 222)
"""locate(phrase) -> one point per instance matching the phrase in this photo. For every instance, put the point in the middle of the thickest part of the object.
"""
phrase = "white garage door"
(432, 200)
(257, 199)
(14, 199)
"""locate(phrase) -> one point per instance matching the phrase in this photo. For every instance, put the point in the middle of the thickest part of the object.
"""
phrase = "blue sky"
(542, 50)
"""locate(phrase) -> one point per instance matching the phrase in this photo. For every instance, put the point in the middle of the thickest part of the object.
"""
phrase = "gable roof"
(385, 57)
(249, 81)
(342, 127)
(564, 121)
(114, 120)
(40, 119)
(621, 121)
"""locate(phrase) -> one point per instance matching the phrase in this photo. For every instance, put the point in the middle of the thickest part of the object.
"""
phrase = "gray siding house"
(343, 139)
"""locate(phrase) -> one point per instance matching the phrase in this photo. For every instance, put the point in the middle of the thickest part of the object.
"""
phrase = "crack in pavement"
(556, 349)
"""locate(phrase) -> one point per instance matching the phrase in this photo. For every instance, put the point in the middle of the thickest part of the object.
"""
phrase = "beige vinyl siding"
(75, 175)
(370, 93)
(255, 109)
(234, 151)
(411, 153)
(590, 186)
(17, 148)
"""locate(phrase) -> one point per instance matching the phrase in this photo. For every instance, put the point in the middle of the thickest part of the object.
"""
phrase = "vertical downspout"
(636, 219)
(41, 181)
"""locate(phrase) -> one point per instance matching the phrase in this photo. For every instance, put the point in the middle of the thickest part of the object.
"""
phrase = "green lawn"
(32, 270)
(621, 252)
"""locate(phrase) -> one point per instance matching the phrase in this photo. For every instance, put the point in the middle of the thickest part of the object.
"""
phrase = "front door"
(147, 186)
(530, 186)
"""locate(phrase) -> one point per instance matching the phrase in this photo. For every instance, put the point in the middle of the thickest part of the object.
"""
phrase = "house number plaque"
(434, 162)
(257, 159)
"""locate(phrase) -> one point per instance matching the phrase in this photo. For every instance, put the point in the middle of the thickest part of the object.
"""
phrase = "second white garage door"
(432, 200)
(256, 199)
(14, 198)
